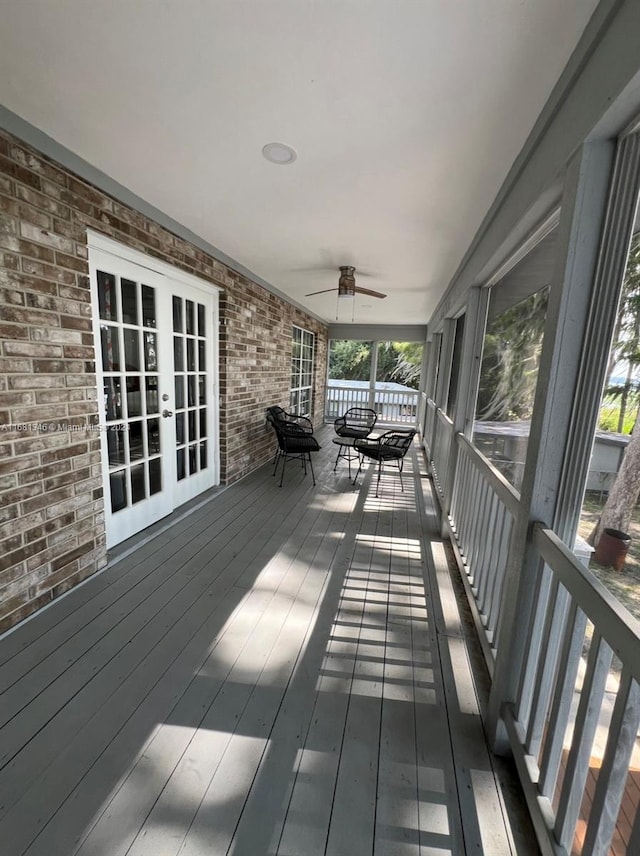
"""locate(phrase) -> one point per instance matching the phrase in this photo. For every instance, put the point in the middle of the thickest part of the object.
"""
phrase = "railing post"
(423, 389)
(579, 235)
(373, 373)
(430, 391)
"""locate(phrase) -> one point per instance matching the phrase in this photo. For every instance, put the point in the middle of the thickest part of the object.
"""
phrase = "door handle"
(167, 413)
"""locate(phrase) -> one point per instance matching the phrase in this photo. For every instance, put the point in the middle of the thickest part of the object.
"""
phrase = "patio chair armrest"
(294, 429)
(364, 444)
(301, 422)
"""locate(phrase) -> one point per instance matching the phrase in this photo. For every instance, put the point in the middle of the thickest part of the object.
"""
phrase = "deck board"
(265, 676)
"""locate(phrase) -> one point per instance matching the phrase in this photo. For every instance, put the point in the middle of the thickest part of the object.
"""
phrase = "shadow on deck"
(281, 671)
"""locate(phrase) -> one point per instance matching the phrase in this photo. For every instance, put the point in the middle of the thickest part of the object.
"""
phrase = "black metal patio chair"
(295, 439)
(357, 422)
(390, 447)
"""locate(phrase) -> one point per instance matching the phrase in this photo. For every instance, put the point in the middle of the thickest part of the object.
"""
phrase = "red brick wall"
(51, 507)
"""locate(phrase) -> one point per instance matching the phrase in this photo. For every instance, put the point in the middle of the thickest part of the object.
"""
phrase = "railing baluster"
(534, 642)
(568, 665)
(479, 533)
(464, 512)
(455, 494)
(623, 730)
(547, 666)
(493, 622)
(577, 768)
(463, 517)
(474, 506)
(494, 528)
(486, 542)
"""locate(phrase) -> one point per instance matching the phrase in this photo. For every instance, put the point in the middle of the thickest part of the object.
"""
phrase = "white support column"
(432, 386)
(373, 373)
(426, 382)
(583, 207)
(620, 217)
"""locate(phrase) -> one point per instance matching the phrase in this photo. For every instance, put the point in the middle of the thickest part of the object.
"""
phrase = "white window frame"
(306, 341)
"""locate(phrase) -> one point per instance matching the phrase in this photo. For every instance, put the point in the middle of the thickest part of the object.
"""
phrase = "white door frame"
(100, 244)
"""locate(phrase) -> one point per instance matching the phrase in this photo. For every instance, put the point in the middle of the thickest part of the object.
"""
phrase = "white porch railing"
(429, 423)
(483, 506)
(392, 406)
(576, 713)
(440, 447)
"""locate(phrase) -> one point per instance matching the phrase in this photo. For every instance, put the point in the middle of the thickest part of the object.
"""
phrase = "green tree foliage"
(623, 496)
(397, 361)
(512, 347)
(408, 363)
(350, 360)
(625, 349)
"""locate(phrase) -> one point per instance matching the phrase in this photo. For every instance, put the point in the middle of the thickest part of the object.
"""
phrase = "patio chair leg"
(284, 461)
(379, 471)
(313, 475)
(359, 468)
(400, 464)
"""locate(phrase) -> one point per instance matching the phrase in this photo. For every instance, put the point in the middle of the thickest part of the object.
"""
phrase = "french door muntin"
(156, 336)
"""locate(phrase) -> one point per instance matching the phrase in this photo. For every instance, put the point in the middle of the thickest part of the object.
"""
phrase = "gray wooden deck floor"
(283, 671)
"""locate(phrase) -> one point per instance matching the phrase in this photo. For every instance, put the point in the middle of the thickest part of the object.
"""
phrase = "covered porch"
(312, 689)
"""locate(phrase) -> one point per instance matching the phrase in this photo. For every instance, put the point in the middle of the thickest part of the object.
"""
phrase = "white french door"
(156, 349)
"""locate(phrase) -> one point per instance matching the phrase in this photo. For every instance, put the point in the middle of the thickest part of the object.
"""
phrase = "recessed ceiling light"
(279, 153)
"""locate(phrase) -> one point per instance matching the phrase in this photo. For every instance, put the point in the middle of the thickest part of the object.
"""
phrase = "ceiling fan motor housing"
(347, 281)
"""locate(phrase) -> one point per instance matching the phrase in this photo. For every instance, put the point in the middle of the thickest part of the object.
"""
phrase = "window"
(452, 397)
(610, 502)
(302, 350)
(383, 376)
(510, 360)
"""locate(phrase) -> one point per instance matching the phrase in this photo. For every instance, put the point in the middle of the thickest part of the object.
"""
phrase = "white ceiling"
(406, 116)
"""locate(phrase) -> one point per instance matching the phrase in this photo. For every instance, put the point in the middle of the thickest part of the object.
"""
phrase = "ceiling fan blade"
(370, 292)
(324, 291)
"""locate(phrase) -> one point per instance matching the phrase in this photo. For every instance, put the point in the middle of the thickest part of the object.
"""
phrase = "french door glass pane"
(151, 385)
(118, 490)
(148, 306)
(129, 302)
(113, 397)
(107, 301)
(150, 352)
(138, 490)
(179, 384)
(177, 315)
(155, 476)
(110, 340)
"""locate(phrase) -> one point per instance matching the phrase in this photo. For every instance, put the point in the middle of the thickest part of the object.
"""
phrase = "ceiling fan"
(347, 285)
